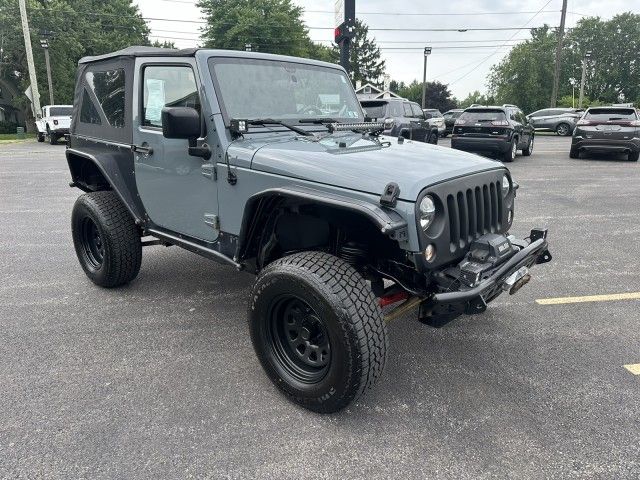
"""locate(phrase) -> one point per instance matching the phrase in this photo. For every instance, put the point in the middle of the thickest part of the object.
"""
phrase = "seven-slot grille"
(474, 212)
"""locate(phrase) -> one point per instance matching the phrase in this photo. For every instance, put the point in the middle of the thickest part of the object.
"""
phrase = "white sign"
(155, 101)
(339, 12)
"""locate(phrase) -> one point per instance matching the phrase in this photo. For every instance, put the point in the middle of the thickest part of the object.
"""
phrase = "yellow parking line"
(590, 298)
(633, 368)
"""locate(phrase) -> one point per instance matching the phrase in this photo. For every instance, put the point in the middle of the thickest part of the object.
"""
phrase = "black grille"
(472, 213)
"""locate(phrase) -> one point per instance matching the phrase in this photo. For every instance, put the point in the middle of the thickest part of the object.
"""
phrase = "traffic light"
(345, 30)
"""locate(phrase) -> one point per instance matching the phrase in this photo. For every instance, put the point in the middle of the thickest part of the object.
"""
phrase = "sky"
(460, 59)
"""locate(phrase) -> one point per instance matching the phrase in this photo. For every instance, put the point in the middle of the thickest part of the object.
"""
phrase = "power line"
(497, 49)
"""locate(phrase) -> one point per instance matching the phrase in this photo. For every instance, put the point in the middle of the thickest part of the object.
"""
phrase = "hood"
(356, 162)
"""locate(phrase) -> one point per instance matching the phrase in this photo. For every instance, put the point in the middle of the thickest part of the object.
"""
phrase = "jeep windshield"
(291, 92)
(60, 111)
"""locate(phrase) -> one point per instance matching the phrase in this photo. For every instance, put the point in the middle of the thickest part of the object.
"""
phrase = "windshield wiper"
(271, 121)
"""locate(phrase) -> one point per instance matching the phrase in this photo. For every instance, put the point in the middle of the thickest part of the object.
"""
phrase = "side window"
(513, 115)
(88, 112)
(417, 111)
(109, 89)
(167, 86)
(395, 110)
(407, 110)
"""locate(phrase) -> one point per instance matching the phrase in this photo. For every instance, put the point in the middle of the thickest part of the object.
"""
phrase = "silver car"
(435, 118)
(560, 120)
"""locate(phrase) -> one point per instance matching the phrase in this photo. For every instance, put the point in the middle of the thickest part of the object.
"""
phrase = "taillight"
(584, 122)
(500, 123)
(635, 123)
(389, 123)
(460, 122)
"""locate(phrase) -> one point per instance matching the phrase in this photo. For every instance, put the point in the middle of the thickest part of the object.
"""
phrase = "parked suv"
(560, 120)
(498, 130)
(266, 164)
(54, 123)
(401, 118)
(435, 118)
(608, 129)
(450, 118)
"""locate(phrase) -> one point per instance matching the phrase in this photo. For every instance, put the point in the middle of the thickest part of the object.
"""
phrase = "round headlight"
(427, 212)
(506, 186)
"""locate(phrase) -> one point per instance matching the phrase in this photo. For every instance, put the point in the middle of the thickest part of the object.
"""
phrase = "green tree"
(476, 97)
(367, 65)
(525, 76)
(79, 28)
(438, 94)
(273, 26)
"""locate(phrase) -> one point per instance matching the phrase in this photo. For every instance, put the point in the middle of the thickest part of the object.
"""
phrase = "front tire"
(526, 152)
(106, 239)
(432, 138)
(574, 153)
(317, 330)
(633, 156)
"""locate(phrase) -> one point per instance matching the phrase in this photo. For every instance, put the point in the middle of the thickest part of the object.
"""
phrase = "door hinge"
(209, 170)
(212, 220)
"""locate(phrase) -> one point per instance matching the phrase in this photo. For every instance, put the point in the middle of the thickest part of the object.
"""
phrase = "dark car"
(435, 118)
(608, 129)
(501, 131)
(450, 118)
(401, 118)
(559, 120)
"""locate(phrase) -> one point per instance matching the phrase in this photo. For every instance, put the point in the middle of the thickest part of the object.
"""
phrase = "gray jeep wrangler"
(266, 163)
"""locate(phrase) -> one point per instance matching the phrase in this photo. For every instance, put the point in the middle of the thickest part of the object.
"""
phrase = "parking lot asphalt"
(159, 379)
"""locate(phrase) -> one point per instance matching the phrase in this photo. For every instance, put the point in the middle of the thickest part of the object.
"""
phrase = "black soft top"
(141, 51)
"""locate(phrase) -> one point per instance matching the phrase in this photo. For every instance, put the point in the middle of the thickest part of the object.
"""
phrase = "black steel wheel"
(299, 339)
(106, 239)
(92, 246)
(317, 330)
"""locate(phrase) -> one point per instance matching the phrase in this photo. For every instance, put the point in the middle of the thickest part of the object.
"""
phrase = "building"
(370, 92)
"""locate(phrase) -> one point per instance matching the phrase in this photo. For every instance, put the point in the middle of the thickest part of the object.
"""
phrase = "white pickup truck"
(54, 123)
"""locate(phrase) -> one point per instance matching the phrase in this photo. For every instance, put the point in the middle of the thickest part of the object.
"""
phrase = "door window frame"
(143, 67)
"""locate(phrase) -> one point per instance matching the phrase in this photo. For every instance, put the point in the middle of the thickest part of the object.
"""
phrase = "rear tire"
(633, 156)
(432, 138)
(317, 330)
(106, 239)
(563, 129)
(510, 155)
(40, 137)
(574, 153)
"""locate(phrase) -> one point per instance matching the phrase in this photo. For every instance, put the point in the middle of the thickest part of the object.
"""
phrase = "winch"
(485, 254)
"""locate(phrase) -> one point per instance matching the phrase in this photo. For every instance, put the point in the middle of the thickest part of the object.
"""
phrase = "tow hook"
(516, 280)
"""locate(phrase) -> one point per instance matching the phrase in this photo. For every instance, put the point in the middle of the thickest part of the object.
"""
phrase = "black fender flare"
(113, 177)
(390, 222)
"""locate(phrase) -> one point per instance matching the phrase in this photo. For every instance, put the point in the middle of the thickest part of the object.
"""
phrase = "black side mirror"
(181, 122)
(184, 122)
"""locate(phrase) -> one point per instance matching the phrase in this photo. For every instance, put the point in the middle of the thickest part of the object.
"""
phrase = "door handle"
(143, 149)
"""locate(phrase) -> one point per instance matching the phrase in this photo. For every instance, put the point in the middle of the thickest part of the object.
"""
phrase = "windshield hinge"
(212, 220)
(390, 196)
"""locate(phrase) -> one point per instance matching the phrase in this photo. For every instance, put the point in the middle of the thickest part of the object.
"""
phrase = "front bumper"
(443, 307)
(606, 145)
(481, 144)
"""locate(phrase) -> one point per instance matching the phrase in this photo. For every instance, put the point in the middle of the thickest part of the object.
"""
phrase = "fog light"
(430, 253)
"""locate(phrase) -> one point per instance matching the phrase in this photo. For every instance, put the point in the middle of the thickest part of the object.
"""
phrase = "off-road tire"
(347, 308)
(118, 235)
(528, 150)
(574, 153)
(40, 137)
(510, 155)
(633, 156)
(563, 129)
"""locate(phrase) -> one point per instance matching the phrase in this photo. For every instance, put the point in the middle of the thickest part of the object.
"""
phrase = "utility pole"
(345, 29)
(556, 72)
(44, 43)
(32, 69)
(587, 56)
(427, 52)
